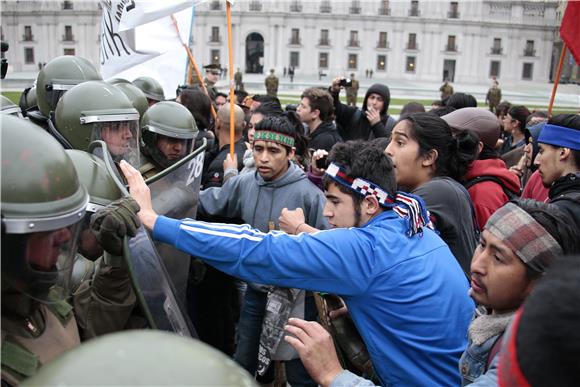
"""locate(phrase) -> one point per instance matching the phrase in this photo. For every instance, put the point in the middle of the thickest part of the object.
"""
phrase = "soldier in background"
(446, 90)
(238, 80)
(493, 96)
(212, 75)
(352, 91)
(271, 83)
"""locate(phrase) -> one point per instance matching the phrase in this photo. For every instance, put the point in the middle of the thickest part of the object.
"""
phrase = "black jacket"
(352, 122)
(565, 193)
(324, 137)
(213, 166)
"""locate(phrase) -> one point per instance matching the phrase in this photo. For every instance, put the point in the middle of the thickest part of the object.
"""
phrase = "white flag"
(142, 12)
(152, 49)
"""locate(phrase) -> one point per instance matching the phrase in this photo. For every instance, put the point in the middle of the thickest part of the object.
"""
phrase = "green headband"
(282, 139)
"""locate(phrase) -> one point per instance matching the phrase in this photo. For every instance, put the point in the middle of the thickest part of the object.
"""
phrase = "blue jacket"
(406, 295)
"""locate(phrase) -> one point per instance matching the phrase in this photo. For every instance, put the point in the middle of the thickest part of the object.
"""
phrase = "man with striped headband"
(558, 162)
(404, 289)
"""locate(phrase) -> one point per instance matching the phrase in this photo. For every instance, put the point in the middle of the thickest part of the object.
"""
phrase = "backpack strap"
(493, 351)
(480, 179)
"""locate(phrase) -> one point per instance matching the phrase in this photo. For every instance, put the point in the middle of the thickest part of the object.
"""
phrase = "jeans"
(249, 330)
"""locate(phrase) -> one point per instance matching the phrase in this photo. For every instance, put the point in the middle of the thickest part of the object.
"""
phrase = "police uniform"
(271, 83)
(351, 93)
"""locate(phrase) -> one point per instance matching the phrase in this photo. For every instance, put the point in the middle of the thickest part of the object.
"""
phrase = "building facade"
(464, 41)
(38, 31)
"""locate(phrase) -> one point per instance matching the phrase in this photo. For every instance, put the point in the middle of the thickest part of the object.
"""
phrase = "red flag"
(570, 28)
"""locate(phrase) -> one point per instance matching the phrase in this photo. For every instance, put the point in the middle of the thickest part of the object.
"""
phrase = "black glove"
(112, 223)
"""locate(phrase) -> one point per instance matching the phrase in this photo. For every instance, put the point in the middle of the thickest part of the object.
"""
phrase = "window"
(529, 50)
(323, 60)
(410, 65)
(353, 41)
(412, 43)
(384, 8)
(215, 35)
(414, 11)
(382, 40)
(496, 48)
(69, 51)
(294, 59)
(255, 5)
(324, 41)
(453, 10)
(355, 7)
(215, 56)
(494, 68)
(295, 37)
(325, 7)
(68, 34)
(28, 37)
(528, 71)
(215, 5)
(381, 62)
(29, 55)
(451, 43)
(67, 5)
(295, 6)
(352, 61)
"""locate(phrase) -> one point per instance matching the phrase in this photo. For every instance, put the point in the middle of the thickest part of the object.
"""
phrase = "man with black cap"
(371, 121)
(212, 75)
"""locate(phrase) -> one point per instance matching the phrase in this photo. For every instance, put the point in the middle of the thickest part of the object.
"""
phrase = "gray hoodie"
(259, 202)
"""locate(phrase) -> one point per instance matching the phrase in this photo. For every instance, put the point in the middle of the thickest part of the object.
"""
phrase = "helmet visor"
(122, 139)
(43, 263)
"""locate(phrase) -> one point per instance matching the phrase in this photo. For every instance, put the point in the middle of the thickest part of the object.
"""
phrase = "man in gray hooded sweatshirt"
(372, 121)
(258, 199)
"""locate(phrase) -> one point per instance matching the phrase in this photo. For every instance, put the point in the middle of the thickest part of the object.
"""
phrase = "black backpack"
(479, 179)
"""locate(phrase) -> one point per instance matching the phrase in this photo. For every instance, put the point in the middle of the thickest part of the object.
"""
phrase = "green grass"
(13, 96)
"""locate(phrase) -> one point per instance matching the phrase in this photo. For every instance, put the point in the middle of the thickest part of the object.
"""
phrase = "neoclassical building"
(465, 41)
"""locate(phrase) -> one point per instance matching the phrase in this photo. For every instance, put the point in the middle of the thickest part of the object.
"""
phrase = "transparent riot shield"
(175, 195)
(155, 292)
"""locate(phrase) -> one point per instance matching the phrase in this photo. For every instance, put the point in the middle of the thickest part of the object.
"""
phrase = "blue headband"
(406, 205)
(560, 136)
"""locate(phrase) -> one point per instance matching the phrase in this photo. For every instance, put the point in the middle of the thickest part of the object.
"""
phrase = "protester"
(412, 107)
(199, 104)
(429, 162)
(487, 180)
(542, 346)
(316, 111)
(461, 100)
(403, 288)
(372, 121)
(514, 124)
(520, 241)
(558, 162)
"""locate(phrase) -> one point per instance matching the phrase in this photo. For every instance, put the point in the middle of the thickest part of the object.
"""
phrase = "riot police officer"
(151, 88)
(99, 111)
(135, 95)
(58, 76)
(168, 131)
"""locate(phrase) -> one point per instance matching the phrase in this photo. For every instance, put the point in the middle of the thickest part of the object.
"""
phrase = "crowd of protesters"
(436, 232)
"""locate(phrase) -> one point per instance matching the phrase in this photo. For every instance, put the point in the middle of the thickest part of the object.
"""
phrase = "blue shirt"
(406, 295)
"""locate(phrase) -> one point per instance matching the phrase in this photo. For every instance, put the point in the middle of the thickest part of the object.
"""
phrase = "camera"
(345, 82)
(322, 163)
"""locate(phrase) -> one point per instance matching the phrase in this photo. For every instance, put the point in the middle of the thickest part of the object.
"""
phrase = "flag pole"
(231, 74)
(557, 79)
(192, 61)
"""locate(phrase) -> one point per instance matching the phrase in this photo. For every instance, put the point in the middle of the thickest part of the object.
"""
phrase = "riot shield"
(175, 195)
(154, 289)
